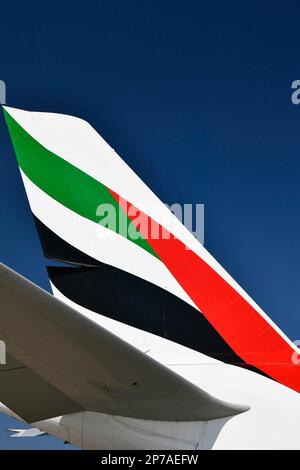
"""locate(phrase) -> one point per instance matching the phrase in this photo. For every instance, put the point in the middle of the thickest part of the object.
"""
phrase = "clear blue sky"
(195, 96)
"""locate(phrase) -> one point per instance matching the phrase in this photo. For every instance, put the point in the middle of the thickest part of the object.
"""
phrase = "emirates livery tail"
(138, 273)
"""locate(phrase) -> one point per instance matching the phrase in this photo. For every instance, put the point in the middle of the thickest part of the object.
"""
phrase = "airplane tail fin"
(93, 211)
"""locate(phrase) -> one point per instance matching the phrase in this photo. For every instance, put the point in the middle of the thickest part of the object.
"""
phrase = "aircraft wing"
(61, 362)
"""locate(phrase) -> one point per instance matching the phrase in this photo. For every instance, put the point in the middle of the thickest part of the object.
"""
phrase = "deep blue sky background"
(195, 96)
